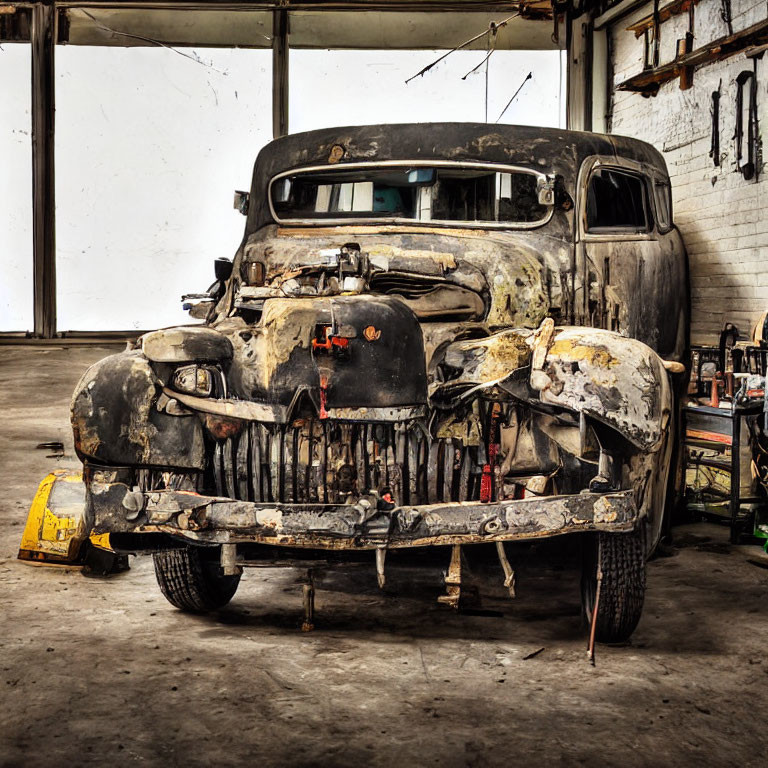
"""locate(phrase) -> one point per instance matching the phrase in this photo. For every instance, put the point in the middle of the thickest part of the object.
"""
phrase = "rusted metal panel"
(117, 418)
(361, 525)
(177, 345)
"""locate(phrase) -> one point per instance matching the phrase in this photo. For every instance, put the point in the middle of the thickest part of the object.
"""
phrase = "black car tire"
(190, 580)
(622, 561)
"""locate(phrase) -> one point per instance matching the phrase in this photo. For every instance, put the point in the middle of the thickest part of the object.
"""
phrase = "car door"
(630, 257)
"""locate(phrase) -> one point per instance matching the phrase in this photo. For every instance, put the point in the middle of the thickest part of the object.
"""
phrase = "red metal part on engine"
(330, 341)
(323, 396)
(486, 485)
(486, 482)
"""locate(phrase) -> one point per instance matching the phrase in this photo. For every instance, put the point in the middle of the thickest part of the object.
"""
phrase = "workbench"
(718, 438)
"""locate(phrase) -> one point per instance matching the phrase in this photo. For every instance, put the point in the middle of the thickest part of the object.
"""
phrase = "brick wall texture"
(721, 216)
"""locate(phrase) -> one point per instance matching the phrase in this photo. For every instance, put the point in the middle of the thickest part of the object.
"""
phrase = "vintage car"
(431, 334)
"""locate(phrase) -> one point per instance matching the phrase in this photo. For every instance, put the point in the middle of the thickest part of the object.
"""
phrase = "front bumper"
(363, 525)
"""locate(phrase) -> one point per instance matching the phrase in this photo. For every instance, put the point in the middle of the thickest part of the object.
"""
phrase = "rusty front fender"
(115, 419)
(618, 381)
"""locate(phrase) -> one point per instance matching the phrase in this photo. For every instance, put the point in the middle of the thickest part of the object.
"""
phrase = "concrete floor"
(104, 671)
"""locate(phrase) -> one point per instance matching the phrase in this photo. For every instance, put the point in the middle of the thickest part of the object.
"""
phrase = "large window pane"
(150, 144)
(330, 88)
(415, 192)
(15, 190)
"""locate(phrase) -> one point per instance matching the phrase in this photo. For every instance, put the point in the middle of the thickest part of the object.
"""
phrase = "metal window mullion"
(280, 56)
(43, 41)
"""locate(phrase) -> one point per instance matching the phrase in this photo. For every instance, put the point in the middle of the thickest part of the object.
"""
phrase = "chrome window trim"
(622, 164)
(330, 222)
(659, 181)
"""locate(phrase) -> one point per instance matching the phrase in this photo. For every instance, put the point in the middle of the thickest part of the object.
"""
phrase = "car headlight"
(193, 380)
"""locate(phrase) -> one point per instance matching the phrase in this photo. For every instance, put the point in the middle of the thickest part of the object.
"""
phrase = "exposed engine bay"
(461, 295)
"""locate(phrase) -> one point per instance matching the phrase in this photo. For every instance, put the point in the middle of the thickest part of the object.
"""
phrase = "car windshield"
(450, 193)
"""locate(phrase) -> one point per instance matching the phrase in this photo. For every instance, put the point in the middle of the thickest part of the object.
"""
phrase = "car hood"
(518, 275)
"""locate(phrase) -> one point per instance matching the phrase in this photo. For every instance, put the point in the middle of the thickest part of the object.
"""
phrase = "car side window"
(662, 195)
(617, 201)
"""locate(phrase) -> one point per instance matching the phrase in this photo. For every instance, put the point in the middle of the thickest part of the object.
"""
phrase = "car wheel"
(621, 557)
(190, 579)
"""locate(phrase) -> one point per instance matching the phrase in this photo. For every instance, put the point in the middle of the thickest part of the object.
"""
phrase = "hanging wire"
(477, 66)
(191, 56)
(488, 56)
(527, 78)
(560, 91)
(492, 28)
(490, 48)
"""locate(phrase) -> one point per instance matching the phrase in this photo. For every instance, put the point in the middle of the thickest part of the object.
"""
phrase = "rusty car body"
(431, 334)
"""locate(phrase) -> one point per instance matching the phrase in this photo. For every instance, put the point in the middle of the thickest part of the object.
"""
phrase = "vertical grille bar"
(218, 475)
(310, 460)
(367, 459)
(359, 451)
(421, 460)
(297, 463)
(386, 464)
(432, 464)
(402, 461)
(324, 462)
(295, 466)
(280, 463)
(229, 470)
(413, 467)
(448, 462)
(464, 475)
(241, 465)
(266, 463)
(255, 441)
(399, 469)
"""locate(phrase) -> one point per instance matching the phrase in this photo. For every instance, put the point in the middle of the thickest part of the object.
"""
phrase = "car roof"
(550, 150)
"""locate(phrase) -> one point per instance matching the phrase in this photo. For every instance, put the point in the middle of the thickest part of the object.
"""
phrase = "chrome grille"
(324, 461)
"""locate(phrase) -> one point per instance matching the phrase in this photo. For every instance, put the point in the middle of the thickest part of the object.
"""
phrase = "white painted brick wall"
(720, 215)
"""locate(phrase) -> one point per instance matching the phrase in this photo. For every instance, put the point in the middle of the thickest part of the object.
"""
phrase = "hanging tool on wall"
(728, 338)
(726, 14)
(746, 149)
(684, 46)
(714, 150)
(656, 33)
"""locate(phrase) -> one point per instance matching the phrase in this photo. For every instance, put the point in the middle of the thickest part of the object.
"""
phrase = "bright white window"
(362, 199)
(150, 145)
(323, 199)
(333, 88)
(16, 289)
